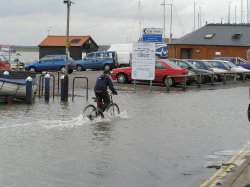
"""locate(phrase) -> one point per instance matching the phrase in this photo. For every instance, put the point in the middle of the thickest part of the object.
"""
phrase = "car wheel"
(32, 69)
(70, 71)
(79, 68)
(122, 78)
(106, 67)
(171, 81)
(62, 69)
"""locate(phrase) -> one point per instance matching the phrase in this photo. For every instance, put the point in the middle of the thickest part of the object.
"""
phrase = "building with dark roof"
(212, 40)
(57, 45)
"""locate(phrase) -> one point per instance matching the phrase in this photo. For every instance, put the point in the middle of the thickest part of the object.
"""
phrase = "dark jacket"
(102, 83)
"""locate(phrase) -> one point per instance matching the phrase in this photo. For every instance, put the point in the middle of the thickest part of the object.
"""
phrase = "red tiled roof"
(61, 40)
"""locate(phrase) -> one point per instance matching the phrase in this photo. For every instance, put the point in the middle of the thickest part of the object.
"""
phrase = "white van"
(124, 54)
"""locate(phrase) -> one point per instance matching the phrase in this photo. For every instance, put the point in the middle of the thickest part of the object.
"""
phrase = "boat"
(15, 88)
(8, 50)
(9, 53)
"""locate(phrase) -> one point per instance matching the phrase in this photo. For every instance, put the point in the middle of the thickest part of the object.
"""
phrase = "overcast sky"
(28, 22)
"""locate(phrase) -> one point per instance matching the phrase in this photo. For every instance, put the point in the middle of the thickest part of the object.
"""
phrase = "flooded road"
(158, 140)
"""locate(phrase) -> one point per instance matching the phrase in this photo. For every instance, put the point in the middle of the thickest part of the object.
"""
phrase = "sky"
(28, 22)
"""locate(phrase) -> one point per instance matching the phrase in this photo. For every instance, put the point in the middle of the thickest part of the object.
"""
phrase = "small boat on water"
(15, 88)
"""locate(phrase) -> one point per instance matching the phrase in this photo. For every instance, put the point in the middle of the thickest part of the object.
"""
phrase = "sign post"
(153, 35)
(143, 62)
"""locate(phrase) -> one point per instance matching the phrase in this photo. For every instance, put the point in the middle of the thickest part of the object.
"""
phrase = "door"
(100, 60)
(45, 63)
(58, 62)
(89, 61)
(185, 53)
(160, 71)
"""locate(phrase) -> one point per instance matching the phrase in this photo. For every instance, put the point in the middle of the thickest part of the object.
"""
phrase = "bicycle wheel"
(89, 112)
(113, 110)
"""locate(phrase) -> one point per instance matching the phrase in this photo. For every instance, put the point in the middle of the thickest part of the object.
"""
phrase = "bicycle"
(92, 112)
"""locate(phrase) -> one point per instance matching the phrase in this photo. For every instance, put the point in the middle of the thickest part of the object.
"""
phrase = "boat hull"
(15, 90)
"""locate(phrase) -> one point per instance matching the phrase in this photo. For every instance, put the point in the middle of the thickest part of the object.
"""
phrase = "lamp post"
(66, 78)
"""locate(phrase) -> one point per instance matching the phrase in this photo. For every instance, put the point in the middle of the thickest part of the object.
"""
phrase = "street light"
(66, 78)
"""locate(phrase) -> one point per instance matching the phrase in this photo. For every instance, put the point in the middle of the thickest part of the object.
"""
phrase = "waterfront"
(159, 140)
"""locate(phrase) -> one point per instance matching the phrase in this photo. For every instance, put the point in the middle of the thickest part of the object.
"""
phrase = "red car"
(163, 68)
(4, 64)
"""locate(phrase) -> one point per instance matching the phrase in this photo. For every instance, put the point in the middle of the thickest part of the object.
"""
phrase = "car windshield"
(190, 64)
(230, 64)
(207, 64)
(173, 65)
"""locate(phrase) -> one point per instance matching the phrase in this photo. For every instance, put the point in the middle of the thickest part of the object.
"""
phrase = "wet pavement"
(160, 139)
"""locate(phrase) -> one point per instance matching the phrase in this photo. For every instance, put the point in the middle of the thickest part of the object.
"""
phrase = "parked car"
(203, 64)
(200, 64)
(237, 69)
(4, 64)
(236, 60)
(206, 74)
(51, 63)
(161, 51)
(163, 68)
(98, 60)
(218, 64)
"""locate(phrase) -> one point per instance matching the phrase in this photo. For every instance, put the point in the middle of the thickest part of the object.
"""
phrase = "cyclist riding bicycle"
(102, 83)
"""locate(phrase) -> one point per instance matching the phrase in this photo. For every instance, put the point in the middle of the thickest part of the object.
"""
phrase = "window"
(46, 59)
(209, 35)
(75, 41)
(99, 55)
(183, 65)
(90, 56)
(159, 65)
(108, 55)
(58, 58)
(158, 49)
(236, 36)
(214, 64)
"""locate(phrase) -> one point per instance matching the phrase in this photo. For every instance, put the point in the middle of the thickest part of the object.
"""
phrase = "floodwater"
(158, 140)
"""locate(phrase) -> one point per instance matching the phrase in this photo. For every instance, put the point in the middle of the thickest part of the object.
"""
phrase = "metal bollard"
(29, 90)
(47, 87)
(6, 74)
(62, 88)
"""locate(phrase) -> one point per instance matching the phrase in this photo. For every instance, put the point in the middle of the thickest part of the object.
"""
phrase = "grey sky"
(26, 22)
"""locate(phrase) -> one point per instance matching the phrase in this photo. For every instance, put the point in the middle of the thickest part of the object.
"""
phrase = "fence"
(242, 75)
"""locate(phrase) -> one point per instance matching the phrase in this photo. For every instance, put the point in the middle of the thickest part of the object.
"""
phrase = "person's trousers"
(104, 97)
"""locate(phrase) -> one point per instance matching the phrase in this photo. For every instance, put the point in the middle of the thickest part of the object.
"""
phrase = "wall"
(206, 52)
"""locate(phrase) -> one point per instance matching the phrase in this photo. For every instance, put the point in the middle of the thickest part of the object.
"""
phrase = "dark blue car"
(51, 63)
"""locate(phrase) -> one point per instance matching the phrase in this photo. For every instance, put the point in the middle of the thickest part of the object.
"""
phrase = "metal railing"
(223, 76)
(73, 88)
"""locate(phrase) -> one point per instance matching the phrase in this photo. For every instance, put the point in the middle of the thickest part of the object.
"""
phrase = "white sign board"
(143, 61)
(153, 31)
